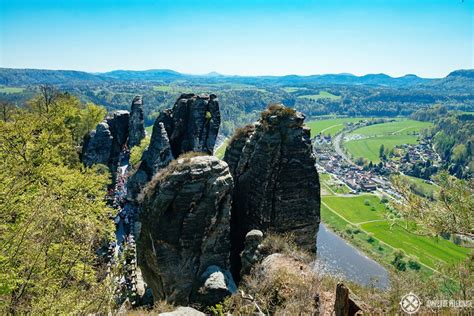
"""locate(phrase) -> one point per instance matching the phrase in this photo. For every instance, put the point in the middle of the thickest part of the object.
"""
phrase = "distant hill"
(25, 77)
(143, 75)
(459, 79)
(349, 79)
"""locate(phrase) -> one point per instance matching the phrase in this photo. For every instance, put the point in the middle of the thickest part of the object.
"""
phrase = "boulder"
(155, 157)
(183, 311)
(136, 126)
(97, 145)
(276, 182)
(251, 253)
(216, 284)
(185, 229)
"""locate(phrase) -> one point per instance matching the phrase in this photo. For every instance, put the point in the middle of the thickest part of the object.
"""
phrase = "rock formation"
(119, 128)
(251, 253)
(155, 157)
(184, 243)
(103, 145)
(97, 145)
(276, 182)
(192, 124)
(136, 124)
(347, 303)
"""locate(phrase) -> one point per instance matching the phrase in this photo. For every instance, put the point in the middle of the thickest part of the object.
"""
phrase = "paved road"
(339, 151)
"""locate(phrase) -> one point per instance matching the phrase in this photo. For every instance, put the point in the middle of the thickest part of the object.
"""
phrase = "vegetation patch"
(10, 90)
(365, 142)
(429, 250)
(358, 209)
(330, 126)
(320, 95)
(220, 151)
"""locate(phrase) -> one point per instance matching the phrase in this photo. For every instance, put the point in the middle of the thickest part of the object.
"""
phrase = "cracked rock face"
(97, 145)
(192, 124)
(136, 124)
(276, 182)
(157, 156)
(185, 230)
(103, 145)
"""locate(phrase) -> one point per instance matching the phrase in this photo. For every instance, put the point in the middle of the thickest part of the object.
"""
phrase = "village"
(370, 177)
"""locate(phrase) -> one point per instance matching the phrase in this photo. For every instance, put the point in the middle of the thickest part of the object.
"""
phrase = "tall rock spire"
(136, 123)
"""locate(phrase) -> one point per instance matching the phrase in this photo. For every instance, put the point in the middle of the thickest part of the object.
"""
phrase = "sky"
(428, 38)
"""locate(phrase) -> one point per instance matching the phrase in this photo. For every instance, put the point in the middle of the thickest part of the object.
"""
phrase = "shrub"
(412, 264)
(398, 261)
(367, 202)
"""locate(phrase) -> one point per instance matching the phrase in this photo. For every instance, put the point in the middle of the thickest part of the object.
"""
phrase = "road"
(338, 149)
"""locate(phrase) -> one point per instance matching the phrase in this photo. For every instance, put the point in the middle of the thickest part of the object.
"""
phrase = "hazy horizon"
(246, 38)
(226, 74)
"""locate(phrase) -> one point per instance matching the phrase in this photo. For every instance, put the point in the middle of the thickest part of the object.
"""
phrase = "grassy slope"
(427, 187)
(389, 134)
(220, 151)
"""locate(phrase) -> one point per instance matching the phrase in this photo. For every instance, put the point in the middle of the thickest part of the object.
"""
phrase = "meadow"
(388, 134)
(369, 215)
(320, 95)
(330, 126)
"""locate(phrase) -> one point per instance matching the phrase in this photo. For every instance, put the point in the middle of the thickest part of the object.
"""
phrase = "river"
(337, 258)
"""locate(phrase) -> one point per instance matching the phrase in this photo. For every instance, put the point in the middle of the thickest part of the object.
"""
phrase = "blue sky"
(246, 37)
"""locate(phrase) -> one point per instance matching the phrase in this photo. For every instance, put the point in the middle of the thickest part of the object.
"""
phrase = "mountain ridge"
(30, 76)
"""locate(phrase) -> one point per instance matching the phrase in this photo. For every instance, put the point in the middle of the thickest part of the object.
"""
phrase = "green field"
(339, 213)
(163, 88)
(401, 127)
(330, 126)
(427, 250)
(369, 148)
(428, 188)
(293, 89)
(320, 95)
(9, 90)
(389, 134)
(355, 210)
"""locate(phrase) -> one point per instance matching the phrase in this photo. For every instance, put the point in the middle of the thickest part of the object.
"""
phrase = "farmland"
(365, 142)
(320, 95)
(330, 126)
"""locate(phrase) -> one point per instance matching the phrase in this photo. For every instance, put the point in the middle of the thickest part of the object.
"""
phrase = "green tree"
(53, 216)
(450, 213)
